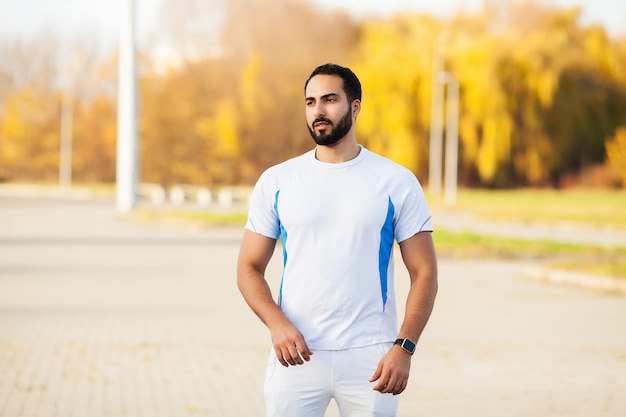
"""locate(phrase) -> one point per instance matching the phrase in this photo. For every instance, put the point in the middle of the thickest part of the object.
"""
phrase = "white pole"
(452, 141)
(436, 116)
(65, 151)
(127, 142)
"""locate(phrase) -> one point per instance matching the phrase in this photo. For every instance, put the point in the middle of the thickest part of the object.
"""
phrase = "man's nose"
(320, 110)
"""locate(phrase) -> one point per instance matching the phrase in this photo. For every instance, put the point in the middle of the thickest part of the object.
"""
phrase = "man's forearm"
(258, 295)
(419, 306)
(418, 254)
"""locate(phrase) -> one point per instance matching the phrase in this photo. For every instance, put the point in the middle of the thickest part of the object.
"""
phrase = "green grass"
(598, 260)
(597, 208)
(585, 206)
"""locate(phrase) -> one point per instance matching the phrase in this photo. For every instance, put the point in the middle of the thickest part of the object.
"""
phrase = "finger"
(382, 376)
(295, 356)
(279, 356)
(401, 389)
(382, 384)
(304, 350)
(389, 387)
(302, 354)
(292, 354)
(377, 373)
(384, 387)
(397, 387)
(290, 360)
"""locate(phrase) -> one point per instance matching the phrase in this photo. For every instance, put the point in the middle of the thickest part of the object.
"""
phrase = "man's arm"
(418, 254)
(254, 255)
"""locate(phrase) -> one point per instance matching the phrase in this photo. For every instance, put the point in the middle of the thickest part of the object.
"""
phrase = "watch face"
(408, 346)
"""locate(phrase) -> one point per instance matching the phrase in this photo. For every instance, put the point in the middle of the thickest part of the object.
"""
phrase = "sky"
(100, 18)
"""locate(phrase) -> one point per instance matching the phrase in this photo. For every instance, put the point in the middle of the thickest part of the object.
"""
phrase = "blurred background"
(511, 113)
(542, 86)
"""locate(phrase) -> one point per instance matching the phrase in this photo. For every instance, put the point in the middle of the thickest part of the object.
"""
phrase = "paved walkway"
(100, 317)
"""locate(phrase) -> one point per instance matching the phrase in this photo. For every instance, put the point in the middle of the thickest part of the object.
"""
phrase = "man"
(337, 209)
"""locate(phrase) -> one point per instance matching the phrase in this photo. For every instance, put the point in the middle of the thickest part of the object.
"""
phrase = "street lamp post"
(65, 157)
(127, 143)
(436, 116)
(452, 139)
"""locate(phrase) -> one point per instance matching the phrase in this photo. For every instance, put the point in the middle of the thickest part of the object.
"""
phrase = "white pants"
(306, 390)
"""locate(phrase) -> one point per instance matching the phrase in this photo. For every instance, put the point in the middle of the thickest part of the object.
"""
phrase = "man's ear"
(356, 107)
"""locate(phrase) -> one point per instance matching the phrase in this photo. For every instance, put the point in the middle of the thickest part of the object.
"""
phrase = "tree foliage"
(616, 154)
(542, 97)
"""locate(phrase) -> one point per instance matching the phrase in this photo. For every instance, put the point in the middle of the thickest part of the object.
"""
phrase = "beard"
(336, 132)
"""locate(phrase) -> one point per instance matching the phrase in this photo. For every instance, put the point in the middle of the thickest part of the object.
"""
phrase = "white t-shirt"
(337, 224)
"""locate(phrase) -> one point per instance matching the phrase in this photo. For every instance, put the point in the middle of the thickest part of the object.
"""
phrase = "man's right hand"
(289, 345)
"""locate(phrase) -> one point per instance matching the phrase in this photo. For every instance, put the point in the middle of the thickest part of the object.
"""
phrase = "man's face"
(328, 112)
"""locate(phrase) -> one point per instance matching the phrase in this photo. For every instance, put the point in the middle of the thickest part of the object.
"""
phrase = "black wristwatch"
(406, 344)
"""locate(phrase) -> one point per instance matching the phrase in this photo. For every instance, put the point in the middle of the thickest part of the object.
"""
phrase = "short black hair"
(351, 83)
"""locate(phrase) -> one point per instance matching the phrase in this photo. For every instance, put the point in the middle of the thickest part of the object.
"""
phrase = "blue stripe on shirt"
(283, 238)
(384, 254)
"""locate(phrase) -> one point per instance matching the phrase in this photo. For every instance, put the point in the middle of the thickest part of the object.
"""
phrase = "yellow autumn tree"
(220, 132)
(95, 139)
(541, 93)
(393, 62)
(29, 148)
(485, 125)
(616, 153)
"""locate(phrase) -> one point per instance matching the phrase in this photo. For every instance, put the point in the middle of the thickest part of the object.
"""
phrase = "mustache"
(321, 119)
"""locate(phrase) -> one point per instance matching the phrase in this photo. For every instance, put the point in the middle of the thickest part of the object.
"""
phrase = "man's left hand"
(392, 372)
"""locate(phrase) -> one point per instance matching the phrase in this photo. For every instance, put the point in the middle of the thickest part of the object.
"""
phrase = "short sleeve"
(412, 213)
(262, 217)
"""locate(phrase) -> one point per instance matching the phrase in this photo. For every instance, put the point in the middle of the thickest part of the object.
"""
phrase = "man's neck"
(345, 150)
